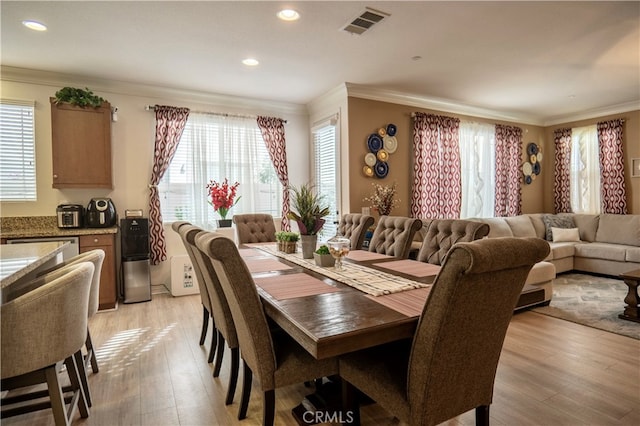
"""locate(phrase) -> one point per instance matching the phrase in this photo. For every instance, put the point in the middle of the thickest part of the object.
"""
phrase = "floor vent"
(365, 20)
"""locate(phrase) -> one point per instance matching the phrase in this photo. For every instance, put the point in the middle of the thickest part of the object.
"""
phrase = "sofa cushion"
(521, 226)
(619, 229)
(540, 273)
(632, 254)
(497, 227)
(565, 234)
(556, 221)
(587, 225)
(562, 250)
(538, 224)
(604, 251)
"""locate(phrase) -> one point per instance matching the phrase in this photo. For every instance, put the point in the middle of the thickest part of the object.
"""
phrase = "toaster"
(70, 215)
(101, 213)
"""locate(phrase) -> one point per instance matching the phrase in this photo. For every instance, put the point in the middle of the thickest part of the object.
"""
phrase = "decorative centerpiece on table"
(287, 241)
(222, 197)
(382, 199)
(309, 208)
(323, 256)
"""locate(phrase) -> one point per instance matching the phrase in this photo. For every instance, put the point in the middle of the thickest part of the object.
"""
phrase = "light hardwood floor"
(153, 372)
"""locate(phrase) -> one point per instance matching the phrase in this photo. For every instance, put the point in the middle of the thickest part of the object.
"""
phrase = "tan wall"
(367, 116)
(631, 150)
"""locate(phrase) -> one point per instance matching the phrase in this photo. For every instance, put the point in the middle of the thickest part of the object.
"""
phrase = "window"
(17, 151)
(214, 148)
(326, 173)
(584, 184)
(477, 162)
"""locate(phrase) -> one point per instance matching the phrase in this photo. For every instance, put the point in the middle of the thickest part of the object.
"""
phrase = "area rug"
(591, 300)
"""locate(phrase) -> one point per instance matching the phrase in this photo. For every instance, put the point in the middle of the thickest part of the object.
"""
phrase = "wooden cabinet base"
(106, 242)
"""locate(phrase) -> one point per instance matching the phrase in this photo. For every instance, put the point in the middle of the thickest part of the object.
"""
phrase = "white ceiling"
(536, 60)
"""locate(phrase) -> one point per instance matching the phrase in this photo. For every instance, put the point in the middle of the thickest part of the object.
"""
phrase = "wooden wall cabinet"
(81, 146)
(106, 242)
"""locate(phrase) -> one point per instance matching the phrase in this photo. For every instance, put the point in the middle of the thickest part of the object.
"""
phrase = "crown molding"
(48, 78)
(594, 113)
(328, 101)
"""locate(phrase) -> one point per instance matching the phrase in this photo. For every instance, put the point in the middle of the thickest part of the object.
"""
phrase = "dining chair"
(442, 234)
(204, 293)
(220, 309)
(354, 226)
(254, 228)
(393, 235)
(273, 356)
(42, 330)
(449, 366)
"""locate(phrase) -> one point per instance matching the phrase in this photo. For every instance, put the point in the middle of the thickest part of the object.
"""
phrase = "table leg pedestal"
(632, 309)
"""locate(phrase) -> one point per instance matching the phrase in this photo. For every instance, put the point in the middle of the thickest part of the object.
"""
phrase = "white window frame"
(320, 133)
(18, 181)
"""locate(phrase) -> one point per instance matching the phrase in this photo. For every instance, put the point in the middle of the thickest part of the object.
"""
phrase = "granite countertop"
(44, 226)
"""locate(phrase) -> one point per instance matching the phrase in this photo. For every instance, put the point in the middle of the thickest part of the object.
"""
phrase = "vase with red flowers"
(222, 197)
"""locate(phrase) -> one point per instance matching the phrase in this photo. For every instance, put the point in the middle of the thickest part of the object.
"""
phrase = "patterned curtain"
(437, 181)
(562, 174)
(272, 130)
(508, 190)
(170, 122)
(613, 192)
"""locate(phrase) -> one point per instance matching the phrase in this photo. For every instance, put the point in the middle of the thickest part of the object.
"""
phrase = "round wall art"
(380, 145)
(532, 167)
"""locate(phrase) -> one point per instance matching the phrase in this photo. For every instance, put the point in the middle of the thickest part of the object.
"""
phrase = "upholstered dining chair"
(393, 235)
(220, 309)
(274, 357)
(254, 228)
(442, 234)
(449, 367)
(42, 330)
(354, 227)
(204, 294)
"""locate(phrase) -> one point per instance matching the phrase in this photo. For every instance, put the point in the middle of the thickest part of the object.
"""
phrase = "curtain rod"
(220, 114)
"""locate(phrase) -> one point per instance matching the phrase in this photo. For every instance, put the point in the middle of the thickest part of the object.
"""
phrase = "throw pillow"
(565, 234)
(556, 221)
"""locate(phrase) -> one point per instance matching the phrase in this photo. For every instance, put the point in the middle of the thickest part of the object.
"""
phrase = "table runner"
(367, 280)
(256, 265)
(293, 285)
(410, 267)
(409, 303)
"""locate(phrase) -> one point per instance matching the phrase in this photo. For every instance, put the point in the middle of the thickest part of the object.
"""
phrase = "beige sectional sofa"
(608, 244)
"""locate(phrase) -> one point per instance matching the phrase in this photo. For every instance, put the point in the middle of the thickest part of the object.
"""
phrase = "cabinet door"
(81, 146)
(106, 242)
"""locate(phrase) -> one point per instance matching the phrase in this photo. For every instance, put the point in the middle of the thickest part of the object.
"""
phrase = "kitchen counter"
(19, 260)
(44, 226)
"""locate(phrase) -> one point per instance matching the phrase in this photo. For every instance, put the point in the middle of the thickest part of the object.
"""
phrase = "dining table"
(374, 299)
(21, 262)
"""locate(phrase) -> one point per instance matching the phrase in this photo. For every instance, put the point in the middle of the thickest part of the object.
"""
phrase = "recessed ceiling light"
(34, 25)
(288, 15)
(250, 62)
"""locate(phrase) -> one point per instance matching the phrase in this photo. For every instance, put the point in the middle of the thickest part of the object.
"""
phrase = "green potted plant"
(323, 257)
(309, 208)
(79, 97)
(287, 241)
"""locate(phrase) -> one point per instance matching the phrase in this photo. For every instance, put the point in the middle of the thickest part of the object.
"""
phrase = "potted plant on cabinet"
(309, 208)
(287, 241)
(323, 257)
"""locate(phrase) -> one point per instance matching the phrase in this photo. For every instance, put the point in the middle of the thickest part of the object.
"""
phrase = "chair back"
(48, 324)
(188, 232)
(354, 227)
(442, 234)
(393, 235)
(461, 331)
(251, 324)
(254, 228)
(219, 306)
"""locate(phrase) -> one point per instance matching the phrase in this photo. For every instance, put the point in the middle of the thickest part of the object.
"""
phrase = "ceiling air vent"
(365, 21)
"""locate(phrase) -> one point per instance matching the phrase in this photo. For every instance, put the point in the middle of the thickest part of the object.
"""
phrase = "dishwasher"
(70, 250)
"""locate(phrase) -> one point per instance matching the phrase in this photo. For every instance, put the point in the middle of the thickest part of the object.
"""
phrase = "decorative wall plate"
(382, 132)
(528, 180)
(536, 168)
(532, 149)
(383, 155)
(391, 129)
(527, 169)
(368, 171)
(390, 144)
(382, 169)
(374, 143)
(370, 159)
(539, 157)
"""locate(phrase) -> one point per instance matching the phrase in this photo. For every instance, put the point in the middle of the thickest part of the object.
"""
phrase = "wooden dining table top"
(329, 318)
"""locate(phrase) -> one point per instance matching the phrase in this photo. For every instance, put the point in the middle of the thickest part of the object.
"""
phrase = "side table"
(632, 310)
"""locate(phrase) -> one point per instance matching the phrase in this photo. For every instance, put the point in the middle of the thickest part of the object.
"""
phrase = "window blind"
(17, 151)
(324, 141)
